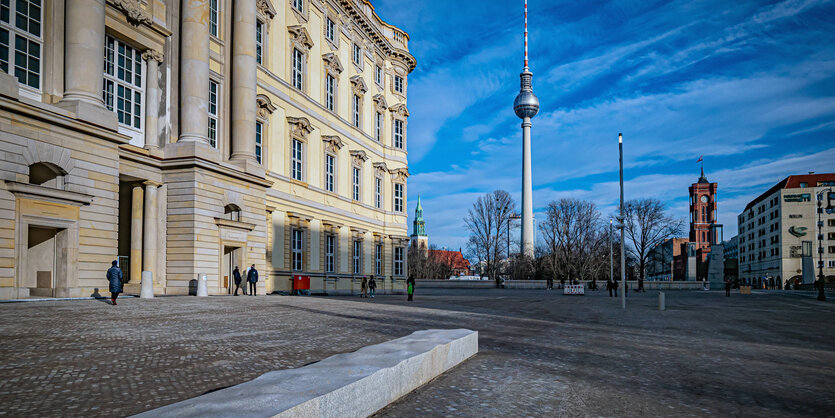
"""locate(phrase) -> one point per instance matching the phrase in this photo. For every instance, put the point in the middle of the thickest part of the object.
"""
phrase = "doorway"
(46, 256)
(231, 259)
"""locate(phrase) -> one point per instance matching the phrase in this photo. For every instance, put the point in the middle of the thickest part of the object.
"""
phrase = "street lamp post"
(611, 261)
(621, 220)
(829, 208)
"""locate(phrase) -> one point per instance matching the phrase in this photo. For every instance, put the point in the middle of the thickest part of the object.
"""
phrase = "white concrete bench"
(345, 385)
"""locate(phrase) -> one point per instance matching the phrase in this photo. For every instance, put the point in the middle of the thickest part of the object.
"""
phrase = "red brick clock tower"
(702, 212)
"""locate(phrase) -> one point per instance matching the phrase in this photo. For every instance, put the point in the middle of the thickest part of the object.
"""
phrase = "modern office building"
(185, 138)
(778, 232)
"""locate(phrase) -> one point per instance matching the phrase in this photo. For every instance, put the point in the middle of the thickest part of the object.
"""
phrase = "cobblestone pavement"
(541, 353)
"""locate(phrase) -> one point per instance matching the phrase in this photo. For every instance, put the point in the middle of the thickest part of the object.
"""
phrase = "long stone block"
(345, 385)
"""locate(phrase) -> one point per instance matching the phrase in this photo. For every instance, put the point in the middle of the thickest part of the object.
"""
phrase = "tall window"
(398, 133)
(357, 256)
(398, 197)
(398, 261)
(298, 252)
(330, 250)
(330, 30)
(356, 179)
(398, 84)
(259, 41)
(378, 75)
(378, 259)
(213, 17)
(330, 91)
(378, 193)
(356, 111)
(330, 172)
(296, 166)
(24, 35)
(213, 100)
(378, 126)
(357, 55)
(298, 68)
(259, 144)
(123, 82)
(298, 5)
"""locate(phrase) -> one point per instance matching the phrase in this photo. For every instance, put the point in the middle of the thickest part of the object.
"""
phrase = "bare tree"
(646, 226)
(486, 221)
(573, 238)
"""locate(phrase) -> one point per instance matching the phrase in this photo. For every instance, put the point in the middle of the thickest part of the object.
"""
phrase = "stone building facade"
(184, 138)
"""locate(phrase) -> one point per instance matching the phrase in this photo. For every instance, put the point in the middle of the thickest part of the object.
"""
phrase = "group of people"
(367, 287)
(251, 278)
(612, 287)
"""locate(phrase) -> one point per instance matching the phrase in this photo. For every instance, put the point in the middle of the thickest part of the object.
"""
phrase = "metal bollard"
(661, 301)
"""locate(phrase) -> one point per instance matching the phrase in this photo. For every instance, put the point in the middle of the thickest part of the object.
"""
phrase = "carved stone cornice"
(358, 156)
(266, 8)
(300, 128)
(400, 110)
(358, 86)
(400, 174)
(133, 11)
(333, 143)
(380, 168)
(332, 62)
(380, 103)
(300, 38)
(151, 54)
(264, 106)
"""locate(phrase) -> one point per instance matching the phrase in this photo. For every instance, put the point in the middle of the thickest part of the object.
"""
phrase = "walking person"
(252, 278)
(609, 286)
(114, 276)
(372, 286)
(364, 288)
(410, 288)
(615, 287)
(236, 275)
(727, 287)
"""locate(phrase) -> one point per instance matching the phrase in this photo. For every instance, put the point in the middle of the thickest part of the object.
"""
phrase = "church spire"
(418, 226)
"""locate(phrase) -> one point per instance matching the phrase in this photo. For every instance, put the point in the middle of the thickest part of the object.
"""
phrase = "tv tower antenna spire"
(526, 107)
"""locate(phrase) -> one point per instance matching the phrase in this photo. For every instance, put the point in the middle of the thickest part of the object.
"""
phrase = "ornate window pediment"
(358, 156)
(332, 62)
(264, 105)
(333, 143)
(300, 38)
(358, 85)
(133, 11)
(380, 103)
(400, 174)
(265, 7)
(380, 168)
(300, 128)
(400, 109)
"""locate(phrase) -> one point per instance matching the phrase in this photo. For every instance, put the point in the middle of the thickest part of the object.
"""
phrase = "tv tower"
(526, 106)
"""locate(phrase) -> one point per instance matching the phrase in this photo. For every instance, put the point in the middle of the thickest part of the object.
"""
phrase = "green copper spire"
(418, 226)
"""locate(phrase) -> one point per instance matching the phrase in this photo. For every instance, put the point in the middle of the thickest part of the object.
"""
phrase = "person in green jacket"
(410, 287)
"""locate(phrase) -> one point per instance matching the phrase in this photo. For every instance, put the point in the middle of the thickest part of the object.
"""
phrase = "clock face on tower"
(704, 199)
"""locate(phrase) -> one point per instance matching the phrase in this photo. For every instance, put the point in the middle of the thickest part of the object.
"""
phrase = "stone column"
(153, 59)
(149, 250)
(243, 81)
(136, 233)
(83, 62)
(194, 71)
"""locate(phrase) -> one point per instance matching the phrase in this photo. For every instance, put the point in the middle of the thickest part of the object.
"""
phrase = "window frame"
(378, 259)
(379, 120)
(330, 29)
(398, 139)
(259, 42)
(330, 253)
(378, 192)
(15, 32)
(397, 201)
(399, 84)
(298, 5)
(330, 92)
(297, 162)
(259, 141)
(297, 251)
(398, 261)
(356, 183)
(330, 172)
(356, 111)
(356, 54)
(115, 52)
(297, 69)
(378, 74)
(214, 117)
(357, 257)
(214, 18)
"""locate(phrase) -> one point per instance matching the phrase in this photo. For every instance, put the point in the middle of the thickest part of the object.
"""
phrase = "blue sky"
(748, 84)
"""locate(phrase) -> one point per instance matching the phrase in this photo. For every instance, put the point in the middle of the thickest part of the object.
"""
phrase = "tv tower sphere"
(526, 104)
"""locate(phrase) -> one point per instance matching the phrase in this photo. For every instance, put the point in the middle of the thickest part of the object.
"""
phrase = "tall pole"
(622, 227)
(526, 106)
(508, 236)
(611, 258)
(821, 281)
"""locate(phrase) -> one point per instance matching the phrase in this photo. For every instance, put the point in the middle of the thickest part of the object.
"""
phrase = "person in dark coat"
(372, 286)
(236, 274)
(252, 278)
(364, 288)
(615, 287)
(609, 286)
(727, 287)
(114, 276)
(410, 288)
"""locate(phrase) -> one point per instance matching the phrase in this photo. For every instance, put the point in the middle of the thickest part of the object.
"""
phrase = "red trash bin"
(301, 282)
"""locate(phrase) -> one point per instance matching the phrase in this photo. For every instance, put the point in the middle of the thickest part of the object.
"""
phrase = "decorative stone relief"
(300, 38)
(358, 86)
(358, 157)
(150, 54)
(300, 128)
(133, 11)
(265, 7)
(265, 106)
(380, 168)
(333, 143)
(332, 63)
(380, 103)
(400, 174)
(400, 110)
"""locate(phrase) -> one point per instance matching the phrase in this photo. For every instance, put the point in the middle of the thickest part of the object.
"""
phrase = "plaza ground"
(541, 353)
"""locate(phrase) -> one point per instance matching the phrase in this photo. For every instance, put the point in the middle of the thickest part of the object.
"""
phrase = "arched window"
(47, 175)
(232, 212)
